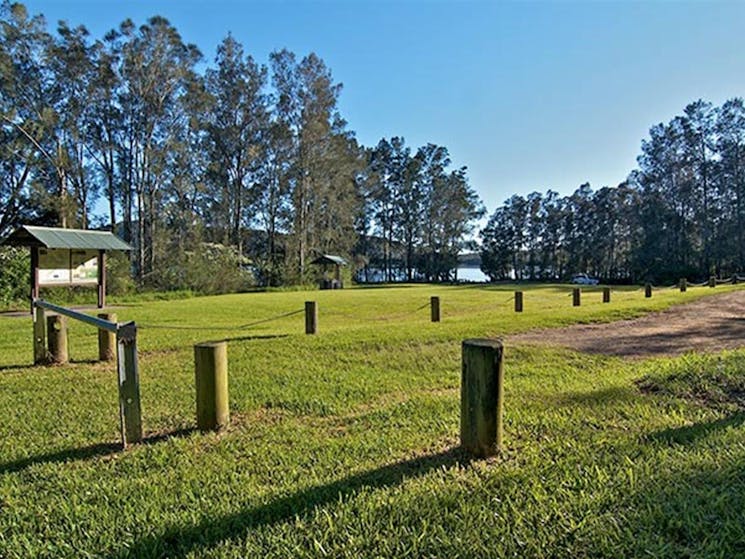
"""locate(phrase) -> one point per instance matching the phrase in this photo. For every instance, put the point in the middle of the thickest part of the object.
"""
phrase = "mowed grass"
(344, 444)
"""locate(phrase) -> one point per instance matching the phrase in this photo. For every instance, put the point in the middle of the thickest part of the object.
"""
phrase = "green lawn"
(344, 444)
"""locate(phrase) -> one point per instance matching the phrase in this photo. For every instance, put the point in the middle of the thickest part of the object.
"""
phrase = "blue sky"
(528, 95)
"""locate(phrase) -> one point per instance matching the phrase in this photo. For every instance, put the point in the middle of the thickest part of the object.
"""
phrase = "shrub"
(209, 269)
(15, 269)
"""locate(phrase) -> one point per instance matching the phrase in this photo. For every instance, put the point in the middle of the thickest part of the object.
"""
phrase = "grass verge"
(344, 444)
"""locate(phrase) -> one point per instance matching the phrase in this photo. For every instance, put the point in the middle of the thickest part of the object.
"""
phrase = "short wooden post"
(40, 347)
(211, 370)
(576, 297)
(481, 397)
(734, 279)
(518, 301)
(648, 290)
(434, 304)
(683, 285)
(712, 281)
(106, 339)
(130, 411)
(606, 295)
(311, 317)
(57, 338)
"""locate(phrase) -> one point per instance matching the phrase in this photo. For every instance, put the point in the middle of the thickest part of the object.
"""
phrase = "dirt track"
(710, 324)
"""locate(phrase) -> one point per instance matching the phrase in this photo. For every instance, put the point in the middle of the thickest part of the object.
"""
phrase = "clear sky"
(527, 95)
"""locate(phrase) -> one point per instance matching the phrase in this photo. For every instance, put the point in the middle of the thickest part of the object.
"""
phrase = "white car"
(584, 279)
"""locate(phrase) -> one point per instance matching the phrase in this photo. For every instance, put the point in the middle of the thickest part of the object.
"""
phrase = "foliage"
(118, 274)
(420, 211)
(681, 213)
(253, 157)
(342, 444)
(207, 269)
(14, 275)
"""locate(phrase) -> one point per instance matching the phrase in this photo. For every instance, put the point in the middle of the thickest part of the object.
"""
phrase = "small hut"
(329, 265)
(62, 257)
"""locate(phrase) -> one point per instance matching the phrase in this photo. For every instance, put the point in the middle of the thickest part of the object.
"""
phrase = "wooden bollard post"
(481, 397)
(648, 290)
(518, 301)
(734, 279)
(576, 297)
(57, 338)
(712, 281)
(211, 371)
(606, 295)
(40, 327)
(683, 285)
(106, 340)
(130, 408)
(311, 317)
(434, 303)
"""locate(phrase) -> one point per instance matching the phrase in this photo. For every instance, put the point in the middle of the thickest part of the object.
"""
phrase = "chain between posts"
(219, 328)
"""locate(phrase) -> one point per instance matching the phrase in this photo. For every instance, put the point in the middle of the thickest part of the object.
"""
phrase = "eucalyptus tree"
(461, 208)
(156, 66)
(433, 161)
(381, 199)
(70, 60)
(28, 118)
(104, 127)
(698, 132)
(237, 126)
(18, 153)
(410, 206)
(497, 246)
(396, 201)
(670, 204)
(730, 130)
(325, 158)
(553, 258)
(535, 231)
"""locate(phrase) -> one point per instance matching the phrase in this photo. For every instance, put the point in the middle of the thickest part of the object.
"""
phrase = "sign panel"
(60, 266)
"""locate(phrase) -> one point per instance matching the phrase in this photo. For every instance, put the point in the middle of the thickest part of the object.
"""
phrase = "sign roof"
(54, 237)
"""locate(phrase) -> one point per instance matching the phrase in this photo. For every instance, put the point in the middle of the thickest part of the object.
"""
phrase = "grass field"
(344, 444)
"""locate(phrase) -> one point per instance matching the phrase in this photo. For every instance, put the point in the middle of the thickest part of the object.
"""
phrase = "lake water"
(471, 274)
(464, 275)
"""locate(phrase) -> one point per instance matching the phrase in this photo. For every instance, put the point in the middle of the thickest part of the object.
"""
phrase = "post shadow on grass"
(250, 338)
(85, 453)
(6, 368)
(179, 541)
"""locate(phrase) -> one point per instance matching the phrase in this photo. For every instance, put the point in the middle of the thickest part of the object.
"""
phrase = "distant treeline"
(241, 155)
(681, 213)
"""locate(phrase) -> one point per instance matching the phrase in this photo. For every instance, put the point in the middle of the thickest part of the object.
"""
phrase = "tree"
(236, 127)
(730, 130)
(326, 159)
(156, 68)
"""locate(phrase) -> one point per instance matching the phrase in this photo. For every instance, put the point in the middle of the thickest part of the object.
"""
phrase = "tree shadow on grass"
(86, 452)
(695, 511)
(180, 541)
(602, 397)
(690, 433)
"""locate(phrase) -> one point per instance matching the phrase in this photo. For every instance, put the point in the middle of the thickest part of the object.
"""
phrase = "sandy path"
(710, 324)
